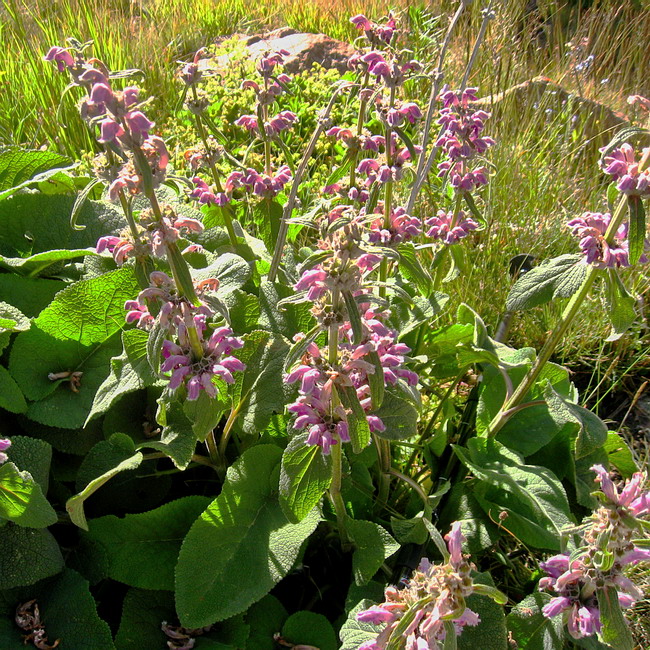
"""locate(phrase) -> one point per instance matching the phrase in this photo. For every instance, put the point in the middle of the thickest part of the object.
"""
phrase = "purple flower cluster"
(315, 411)
(403, 227)
(378, 171)
(197, 353)
(4, 445)
(62, 57)
(376, 33)
(124, 129)
(156, 234)
(205, 195)
(623, 166)
(272, 127)
(262, 185)
(342, 273)
(198, 372)
(438, 591)
(590, 230)
(390, 70)
(450, 228)
(354, 142)
(461, 139)
(607, 547)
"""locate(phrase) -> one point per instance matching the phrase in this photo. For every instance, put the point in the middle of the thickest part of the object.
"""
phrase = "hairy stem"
(297, 179)
(569, 313)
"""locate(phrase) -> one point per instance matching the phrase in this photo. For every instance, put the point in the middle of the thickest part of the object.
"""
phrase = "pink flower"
(61, 57)
(450, 228)
(5, 443)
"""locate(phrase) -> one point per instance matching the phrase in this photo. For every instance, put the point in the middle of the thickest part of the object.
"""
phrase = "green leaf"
(103, 462)
(11, 397)
(37, 223)
(12, 319)
(267, 215)
(398, 415)
(412, 269)
(205, 412)
(532, 497)
(373, 544)
(259, 391)
(531, 629)
(27, 555)
(19, 165)
(491, 632)
(305, 476)
(231, 270)
(74, 334)
(22, 500)
(143, 612)
(89, 311)
(469, 199)
(309, 629)
(636, 235)
(616, 630)
(177, 440)
(243, 527)
(35, 264)
(406, 317)
(143, 548)
(70, 613)
(29, 295)
(620, 305)
(32, 455)
(463, 506)
(356, 418)
(353, 633)
(129, 372)
(559, 277)
(620, 454)
(265, 618)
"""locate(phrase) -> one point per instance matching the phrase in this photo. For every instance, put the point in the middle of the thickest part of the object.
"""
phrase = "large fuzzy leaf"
(243, 527)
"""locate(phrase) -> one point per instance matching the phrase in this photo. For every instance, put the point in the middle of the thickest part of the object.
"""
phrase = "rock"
(304, 50)
(596, 120)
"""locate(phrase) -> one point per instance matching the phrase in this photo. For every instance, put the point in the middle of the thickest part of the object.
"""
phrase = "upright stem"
(336, 449)
(566, 319)
(363, 103)
(423, 169)
(297, 179)
(438, 77)
(225, 210)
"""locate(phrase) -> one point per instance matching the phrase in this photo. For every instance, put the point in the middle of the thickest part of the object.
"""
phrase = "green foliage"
(245, 517)
(19, 165)
(22, 500)
(560, 277)
(305, 476)
(129, 372)
(27, 555)
(532, 497)
(142, 549)
(310, 629)
(264, 357)
(353, 633)
(531, 629)
(69, 609)
(103, 462)
(373, 544)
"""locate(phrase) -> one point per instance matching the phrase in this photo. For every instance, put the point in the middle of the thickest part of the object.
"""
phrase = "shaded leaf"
(373, 544)
(27, 555)
(243, 527)
(305, 476)
(142, 549)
